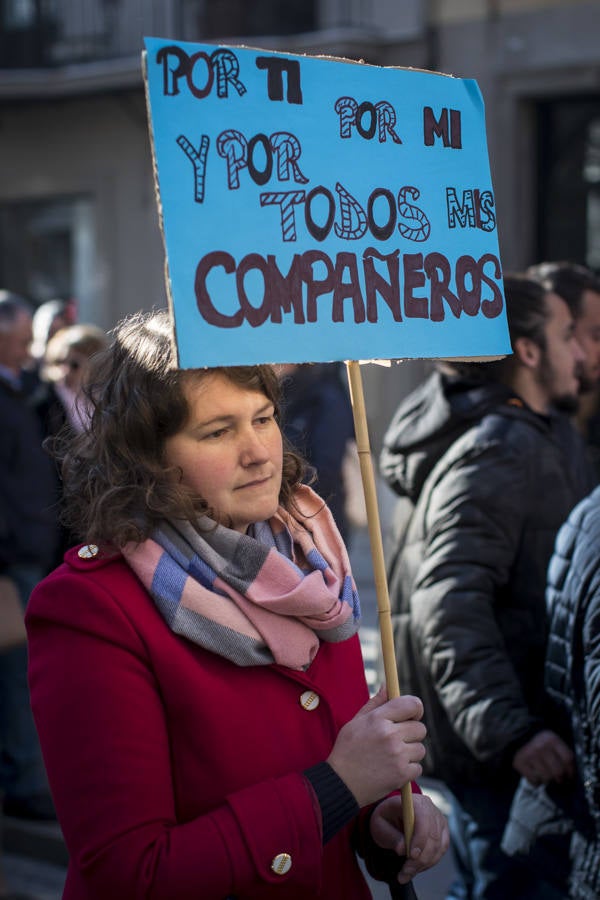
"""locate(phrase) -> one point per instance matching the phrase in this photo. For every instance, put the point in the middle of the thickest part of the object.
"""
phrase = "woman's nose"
(252, 449)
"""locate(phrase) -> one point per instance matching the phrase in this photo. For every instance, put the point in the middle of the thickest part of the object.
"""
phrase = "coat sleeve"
(104, 735)
(591, 656)
(472, 527)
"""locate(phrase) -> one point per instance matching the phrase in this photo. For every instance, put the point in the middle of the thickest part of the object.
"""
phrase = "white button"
(282, 863)
(309, 700)
(89, 551)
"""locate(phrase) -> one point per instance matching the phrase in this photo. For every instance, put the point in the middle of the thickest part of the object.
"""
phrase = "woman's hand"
(380, 749)
(430, 837)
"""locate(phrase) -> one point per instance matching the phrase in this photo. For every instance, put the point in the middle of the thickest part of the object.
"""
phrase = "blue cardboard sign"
(316, 209)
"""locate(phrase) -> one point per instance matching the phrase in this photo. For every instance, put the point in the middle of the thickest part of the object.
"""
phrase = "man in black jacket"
(28, 543)
(317, 420)
(573, 677)
(475, 454)
(555, 826)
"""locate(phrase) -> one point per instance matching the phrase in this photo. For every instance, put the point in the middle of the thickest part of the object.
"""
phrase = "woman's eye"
(215, 434)
(264, 420)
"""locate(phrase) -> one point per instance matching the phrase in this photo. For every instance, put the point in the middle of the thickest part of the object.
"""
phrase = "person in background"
(317, 420)
(65, 365)
(29, 535)
(552, 826)
(65, 409)
(195, 668)
(12, 634)
(473, 452)
(573, 679)
(579, 287)
(49, 318)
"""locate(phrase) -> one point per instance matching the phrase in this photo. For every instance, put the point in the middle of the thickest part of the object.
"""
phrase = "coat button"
(88, 551)
(309, 700)
(282, 863)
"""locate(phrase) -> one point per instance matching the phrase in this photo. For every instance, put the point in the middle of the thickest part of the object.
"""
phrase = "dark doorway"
(569, 180)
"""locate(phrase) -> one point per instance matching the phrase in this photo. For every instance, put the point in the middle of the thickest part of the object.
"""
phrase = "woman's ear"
(528, 353)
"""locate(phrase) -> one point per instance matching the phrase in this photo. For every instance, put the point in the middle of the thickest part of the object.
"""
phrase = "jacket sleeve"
(472, 527)
(104, 735)
(591, 656)
(10, 511)
(382, 865)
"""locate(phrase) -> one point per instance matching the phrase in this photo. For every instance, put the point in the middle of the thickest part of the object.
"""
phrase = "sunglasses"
(73, 364)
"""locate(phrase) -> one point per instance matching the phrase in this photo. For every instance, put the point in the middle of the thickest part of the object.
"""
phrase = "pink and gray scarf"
(269, 596)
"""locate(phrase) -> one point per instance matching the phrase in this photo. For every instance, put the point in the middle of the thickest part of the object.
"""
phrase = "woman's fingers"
(381, 748)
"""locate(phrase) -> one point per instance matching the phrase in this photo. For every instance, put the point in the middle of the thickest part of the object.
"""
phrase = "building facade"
(78, 214)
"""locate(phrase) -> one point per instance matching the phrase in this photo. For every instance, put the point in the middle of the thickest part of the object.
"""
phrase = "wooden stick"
(383, 599)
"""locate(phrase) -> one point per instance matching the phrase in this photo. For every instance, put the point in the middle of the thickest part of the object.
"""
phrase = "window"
(27, 29)
(569, 180)
(591, 176)
(47, 249)
(206, 20)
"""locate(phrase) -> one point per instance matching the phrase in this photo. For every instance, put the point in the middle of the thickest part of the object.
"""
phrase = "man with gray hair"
(28, 542)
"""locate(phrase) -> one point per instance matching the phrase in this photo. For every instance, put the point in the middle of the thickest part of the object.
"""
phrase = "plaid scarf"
(268, 596)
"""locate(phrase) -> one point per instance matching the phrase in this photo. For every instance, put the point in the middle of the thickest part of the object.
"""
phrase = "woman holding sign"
(195, 670)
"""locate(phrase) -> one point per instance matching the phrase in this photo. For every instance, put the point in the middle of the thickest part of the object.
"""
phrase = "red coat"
(176, 774)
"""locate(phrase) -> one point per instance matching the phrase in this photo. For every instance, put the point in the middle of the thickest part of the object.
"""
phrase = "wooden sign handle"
(383, 599)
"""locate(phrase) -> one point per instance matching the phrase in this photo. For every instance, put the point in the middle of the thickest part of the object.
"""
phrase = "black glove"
(402, 891)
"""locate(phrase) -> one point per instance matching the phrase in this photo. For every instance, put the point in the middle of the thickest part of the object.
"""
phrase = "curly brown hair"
(116, 484)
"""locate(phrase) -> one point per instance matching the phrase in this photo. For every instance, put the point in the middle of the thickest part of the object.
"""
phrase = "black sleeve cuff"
(338, 803)
(510, 749)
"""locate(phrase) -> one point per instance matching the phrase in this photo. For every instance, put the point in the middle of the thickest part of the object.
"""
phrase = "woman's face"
(74, 369)
(230, 451)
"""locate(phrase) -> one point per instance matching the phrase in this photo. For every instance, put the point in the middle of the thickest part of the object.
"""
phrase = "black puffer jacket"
(29, 530)
(490, 486)
(573, 675)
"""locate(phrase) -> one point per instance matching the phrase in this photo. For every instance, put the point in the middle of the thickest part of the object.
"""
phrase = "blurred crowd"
(494, 573)
(43, 358)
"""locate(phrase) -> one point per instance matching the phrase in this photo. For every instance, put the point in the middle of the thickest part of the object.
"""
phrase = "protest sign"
(317, 209)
